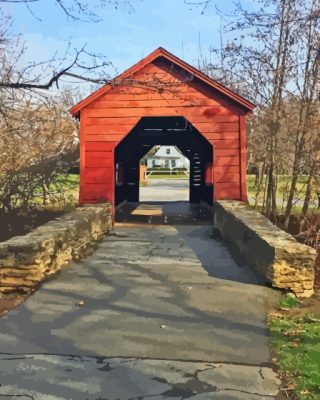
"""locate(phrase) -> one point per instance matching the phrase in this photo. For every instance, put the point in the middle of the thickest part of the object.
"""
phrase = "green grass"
(283, 184)
(288, 302)
(283, 187)
(68, 185)
(282, 181)
(64, 192)
(296, 341)
(167, 176)
(71, 178)
(67, 181)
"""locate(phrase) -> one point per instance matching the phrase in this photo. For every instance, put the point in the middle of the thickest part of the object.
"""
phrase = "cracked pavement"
(167, 314)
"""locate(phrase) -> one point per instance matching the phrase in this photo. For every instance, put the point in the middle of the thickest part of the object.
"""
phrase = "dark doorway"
(174, 131)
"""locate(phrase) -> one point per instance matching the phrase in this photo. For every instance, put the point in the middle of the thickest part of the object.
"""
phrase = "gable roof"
(161, 52)
(174, 152)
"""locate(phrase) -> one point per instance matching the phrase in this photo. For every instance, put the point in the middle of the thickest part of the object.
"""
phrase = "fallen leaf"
(189, 287)
(275, 315)
(80, 303)
(292, 332)
(163, 326)
(290, 386)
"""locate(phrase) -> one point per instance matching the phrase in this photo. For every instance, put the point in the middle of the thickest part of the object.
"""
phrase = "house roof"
(174, 153)
(161, 52)
(164, 157)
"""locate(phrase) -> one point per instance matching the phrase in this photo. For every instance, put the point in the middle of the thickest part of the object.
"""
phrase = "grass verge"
(167, 176)
(295, 333)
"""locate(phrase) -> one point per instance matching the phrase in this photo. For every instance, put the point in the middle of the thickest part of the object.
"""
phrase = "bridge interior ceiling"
(151, 131)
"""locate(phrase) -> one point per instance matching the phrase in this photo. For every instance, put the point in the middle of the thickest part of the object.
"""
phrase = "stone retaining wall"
(27, 260)
(284, 262)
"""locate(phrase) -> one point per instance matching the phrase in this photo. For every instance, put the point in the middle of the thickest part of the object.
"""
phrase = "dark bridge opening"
(174, 131)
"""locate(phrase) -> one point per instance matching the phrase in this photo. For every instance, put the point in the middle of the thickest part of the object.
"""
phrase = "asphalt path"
(169, 189)
(158, 311)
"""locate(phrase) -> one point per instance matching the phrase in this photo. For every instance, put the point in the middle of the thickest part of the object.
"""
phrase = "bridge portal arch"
(158, 91)
(173, 131)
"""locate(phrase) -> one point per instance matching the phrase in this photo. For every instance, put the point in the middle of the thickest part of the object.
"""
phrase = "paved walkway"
(153, 292)
(164, 213)
(157, 312)
(169, 189)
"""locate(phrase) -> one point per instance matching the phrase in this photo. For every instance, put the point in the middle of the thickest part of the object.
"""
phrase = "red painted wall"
(108, 119)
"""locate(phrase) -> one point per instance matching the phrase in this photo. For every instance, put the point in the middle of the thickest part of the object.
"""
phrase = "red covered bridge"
(162, 100)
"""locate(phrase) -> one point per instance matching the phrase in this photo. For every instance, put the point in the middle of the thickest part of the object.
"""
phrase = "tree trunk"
(259, 174)
(273, 213)
(292, 191)
(265, 191)
(271, 205)
(45, 194)
(262, 171)
(308, 194)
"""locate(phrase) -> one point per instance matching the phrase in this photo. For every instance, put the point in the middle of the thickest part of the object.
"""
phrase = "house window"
(168, 151)
(173, 163)
(153, 163)
(166, 163)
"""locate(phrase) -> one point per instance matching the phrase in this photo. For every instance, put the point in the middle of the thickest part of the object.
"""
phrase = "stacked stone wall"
(27, 260)
(275, 254)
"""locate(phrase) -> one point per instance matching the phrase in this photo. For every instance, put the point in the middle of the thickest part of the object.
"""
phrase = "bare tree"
(306, 76)
(38, 137)
(39, 141)
(77, 10)
(269, 55)
(78, 63)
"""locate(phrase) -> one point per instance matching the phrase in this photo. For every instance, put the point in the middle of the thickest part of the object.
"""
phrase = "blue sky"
(121, 36)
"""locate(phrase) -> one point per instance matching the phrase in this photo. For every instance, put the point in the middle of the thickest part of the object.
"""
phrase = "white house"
(167, 157)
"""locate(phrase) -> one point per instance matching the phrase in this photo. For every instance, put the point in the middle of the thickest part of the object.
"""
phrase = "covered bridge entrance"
(162, 100)
(151, 131)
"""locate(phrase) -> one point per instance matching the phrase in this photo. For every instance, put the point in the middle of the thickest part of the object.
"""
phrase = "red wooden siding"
(109, 115)
(96, 165)
(109, 119)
